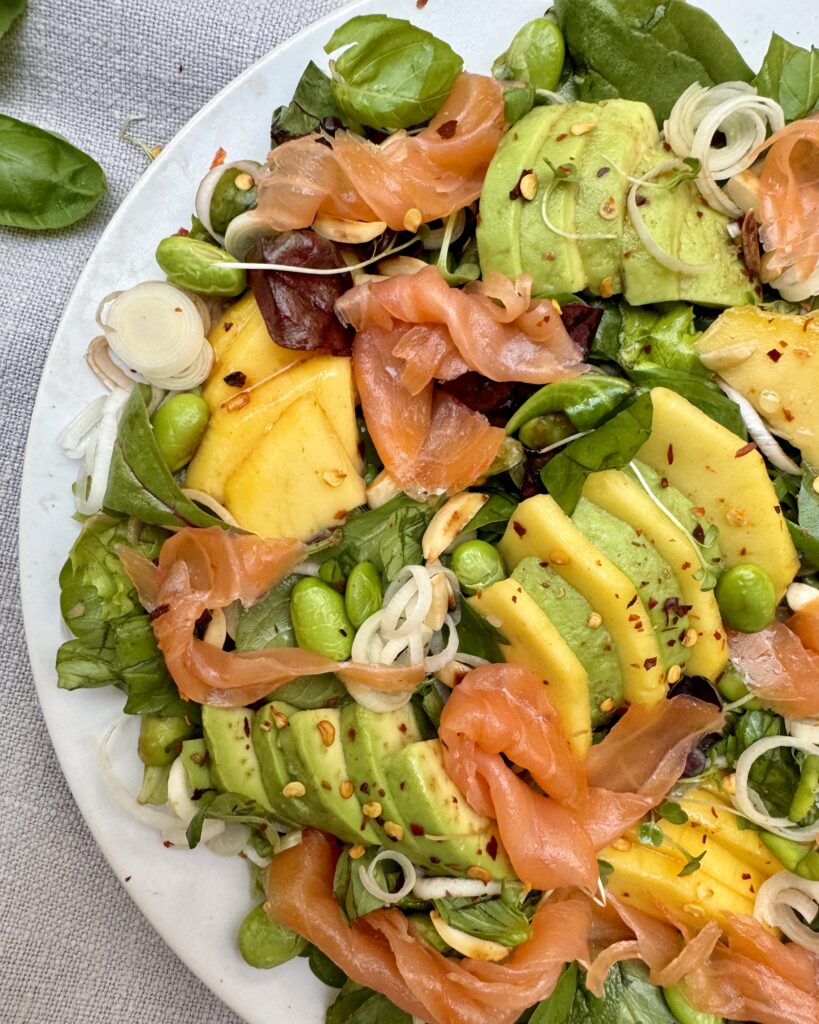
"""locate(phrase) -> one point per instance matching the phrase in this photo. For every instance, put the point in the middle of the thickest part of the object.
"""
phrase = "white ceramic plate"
(196, 900)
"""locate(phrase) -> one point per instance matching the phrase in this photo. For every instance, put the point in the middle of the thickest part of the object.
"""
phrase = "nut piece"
(704, 891)
(674, 675)
(582, 127)
(243, 181)
(729, 784)
(443, 599)
(608, 208)
(333, 477)
(452, 673)
(372, 809)
(691, 637)
(328, 732)
(736, 517)
(528, 185)
(394, 830)
(357, 851)
(281, 719)
(606, 288)
(769, 401)
(449, 521)
(594, 621)
(413, 219)
(346, 789)
(800, 594)
(622, 844)
(396, 266)
(558, 557)
(481, 874)
(728, 357)
(607, 705)
(382, 490)
(351, 232)
(294, 789)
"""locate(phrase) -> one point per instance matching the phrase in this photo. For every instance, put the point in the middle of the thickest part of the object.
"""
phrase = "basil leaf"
(478, 637)
(226, 807)
(498, 510)
(139, 481)
(611, 446)
(641, 50)
(45, 181)
(357, 1005)
(10, 10)
(267, 623)
(557, 1009)
(491, 919)
(393, 75)
(312, 103)
(585, 400)
(790, 75)
(628, 998)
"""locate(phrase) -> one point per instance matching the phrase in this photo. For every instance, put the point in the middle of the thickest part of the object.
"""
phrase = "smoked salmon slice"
(436, 172)
(779, 669)
(552, 840)
(200, 570)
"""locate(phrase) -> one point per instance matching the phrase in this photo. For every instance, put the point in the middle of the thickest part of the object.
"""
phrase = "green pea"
(732, 688)
(510, 454)
(363, 595)
(477, 565)
(786, 851)
(199, 266)
(178, 426)
(684, 1011)
(265, 944)
(545, 430)
(808, 867)
(746, 598)
(160, 739)
(154, 784)
(805, 795)
(228, 200)
(535, 55)
(320, 619)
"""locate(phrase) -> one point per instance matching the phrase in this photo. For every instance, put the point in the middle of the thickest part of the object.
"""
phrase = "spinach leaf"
(496, 512)
(392, 74)
(323, 968)
(45, 181)
(662, 339)
(10, 10)
(357, 1005)
(586, 400)
(790, 75)
(226, 807)
(312, 103)
(705, 394)
(611, 446)
(267, 623)
(641, 50)
(139, 481)
(557, 1009)
(629, 998)
(497, 920)
(477, 636)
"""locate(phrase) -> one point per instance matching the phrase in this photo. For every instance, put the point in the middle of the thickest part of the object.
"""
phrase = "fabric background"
(74, 949)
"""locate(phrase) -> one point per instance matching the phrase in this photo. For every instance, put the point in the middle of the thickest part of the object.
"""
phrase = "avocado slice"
(435, 807)
(592, 645)
(539, 527)
(648, 571)
(532, 639)
(234, 766)
(312, 747)
(274, 768)
(367, 738)
(621, 495)
(195, 758)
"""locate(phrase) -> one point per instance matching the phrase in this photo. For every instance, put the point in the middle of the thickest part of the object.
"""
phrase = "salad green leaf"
(392, 74)
(775, 775)
(267, 623)
(233, 807)
(611, 446)
(357, 1005)
(45, 181)
(629, 998)
(790, 75)
(10, 10)
(586, 400)
(641, 50)
(312, 103)
(139, 481)
(478, 637)
(323, 968)
(496, 920)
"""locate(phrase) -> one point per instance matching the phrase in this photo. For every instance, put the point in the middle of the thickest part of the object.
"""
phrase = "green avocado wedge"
(234, 766)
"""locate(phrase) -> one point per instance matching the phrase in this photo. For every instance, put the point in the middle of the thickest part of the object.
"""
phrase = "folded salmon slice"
(779, 668)
(552, 840)
(200, 570)
(436, 172)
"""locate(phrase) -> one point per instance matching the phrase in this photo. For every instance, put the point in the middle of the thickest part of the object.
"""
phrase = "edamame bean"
(320, 619)
(477, 565)
(199, 266)
(535, 55)
(808, 867)
(805, 795)
(178, 426)
(786, 851)
(545, 430)
(235, 193)
(684, 1011)
(732, 688)
(363, 595)
(160, 739)
(746, 598)
(265, 944)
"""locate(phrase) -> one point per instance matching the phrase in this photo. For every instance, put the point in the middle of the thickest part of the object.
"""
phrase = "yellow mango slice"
(539, 527)
(534, 641)
(725, 477)
(714, 814)
(298, 480)
(232, 321)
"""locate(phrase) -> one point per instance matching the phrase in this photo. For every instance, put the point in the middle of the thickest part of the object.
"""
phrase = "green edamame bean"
(808, 867)
(732, 688)
(364, 594)
(426, 929)
(178, 426)
(545, 430)
(786, 851)
(320, 619)
(746, 598)
(510, 454)
(265, 944)
(805, 795)
(229, 199)
(684, 1011)
(199, 266)
(160, 739)
(477, 565)
(535, 55)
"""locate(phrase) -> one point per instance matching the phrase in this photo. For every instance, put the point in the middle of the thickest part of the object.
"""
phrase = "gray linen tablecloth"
(73, 947)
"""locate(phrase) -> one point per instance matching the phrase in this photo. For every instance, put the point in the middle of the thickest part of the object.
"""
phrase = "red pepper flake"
(773, 355)
(421, 4)
(218, 158)
(416, 829)
(237, 379)
(744, 450)
(167, 844)
(632, 602)
(447, 129)
(640, 201)
(652, 603)
(698, 511)
(158, 612)
(667, 147)
(602, 171)
(787, 414)
(364, 787)
(492, 847)
(516, 193)
(718, 635)
(246, 726)
(698, 533)
(402, 727)
(514, 599)
(649, 663)
(227, 325)
(182, 233)
(634, 618)
(699, 214)
(519, 528)
(745, 876)
(664, 482)
(686, 565)
(561, 137)
(669, 455)
(352, 734)
(128, 878)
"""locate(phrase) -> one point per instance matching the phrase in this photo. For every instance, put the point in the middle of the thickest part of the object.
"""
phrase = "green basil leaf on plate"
(10, 10)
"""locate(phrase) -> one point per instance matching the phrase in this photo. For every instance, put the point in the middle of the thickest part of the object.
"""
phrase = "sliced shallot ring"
(98, 357)
(207, 186)
(211, 504)
(374, 889)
